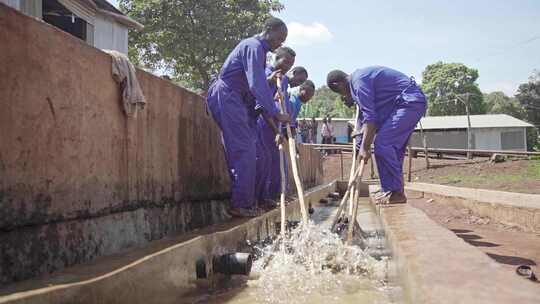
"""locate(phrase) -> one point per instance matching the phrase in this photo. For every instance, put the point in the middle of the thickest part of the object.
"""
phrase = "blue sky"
(499, 38)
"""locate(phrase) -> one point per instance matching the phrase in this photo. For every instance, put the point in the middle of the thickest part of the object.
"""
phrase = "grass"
(534, 169)
(532, 172)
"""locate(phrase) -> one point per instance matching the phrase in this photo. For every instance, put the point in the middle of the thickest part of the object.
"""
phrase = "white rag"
(124, 73)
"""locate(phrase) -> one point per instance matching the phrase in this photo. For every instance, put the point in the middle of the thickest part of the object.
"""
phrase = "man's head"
(284, 59)
(307, 89)
(297, 76)
(338, 81)
(275, 32)
(313, 118)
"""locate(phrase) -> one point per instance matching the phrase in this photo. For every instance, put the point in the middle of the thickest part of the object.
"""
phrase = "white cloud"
(507, 87)
(308, 34)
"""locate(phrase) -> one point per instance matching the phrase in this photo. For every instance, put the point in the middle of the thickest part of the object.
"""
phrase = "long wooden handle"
(353, 165)
(352, 219)
(359, 172)
(283, 190)
(292, 153)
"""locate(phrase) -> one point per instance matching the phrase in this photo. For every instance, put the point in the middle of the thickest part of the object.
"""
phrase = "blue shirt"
(296, 107)
(378, 89)
(244, 72)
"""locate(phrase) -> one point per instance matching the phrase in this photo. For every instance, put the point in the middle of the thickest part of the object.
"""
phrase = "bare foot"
(397, 197)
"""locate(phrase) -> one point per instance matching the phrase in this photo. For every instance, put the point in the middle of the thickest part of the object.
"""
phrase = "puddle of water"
(311, 266)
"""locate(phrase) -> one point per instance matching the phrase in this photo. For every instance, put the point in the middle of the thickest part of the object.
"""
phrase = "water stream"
(315, 266)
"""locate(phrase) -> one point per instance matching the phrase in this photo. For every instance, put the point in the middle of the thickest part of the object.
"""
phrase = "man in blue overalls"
(268, 130)
(231, 100)
(303, 96)
(391, 105)
(268, 166)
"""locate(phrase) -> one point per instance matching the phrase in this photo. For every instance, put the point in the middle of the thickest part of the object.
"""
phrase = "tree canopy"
(499, 103)
(448, 85)
(326, 102)
(192, 38)
(528, 96)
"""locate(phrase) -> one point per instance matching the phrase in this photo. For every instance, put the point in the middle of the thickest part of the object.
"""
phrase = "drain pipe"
(233, 263)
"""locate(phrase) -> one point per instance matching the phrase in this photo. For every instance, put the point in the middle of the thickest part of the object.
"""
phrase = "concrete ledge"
(437, 267)
(514, 209)
(157, 276)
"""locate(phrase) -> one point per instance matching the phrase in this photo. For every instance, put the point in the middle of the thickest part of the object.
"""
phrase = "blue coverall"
(231, 100)
(394, 103)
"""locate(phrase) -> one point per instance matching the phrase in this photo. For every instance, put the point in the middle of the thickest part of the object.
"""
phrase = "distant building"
(489, 132)
(97, 22)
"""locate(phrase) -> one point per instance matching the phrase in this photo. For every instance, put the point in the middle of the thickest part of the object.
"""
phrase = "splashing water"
(316, 266)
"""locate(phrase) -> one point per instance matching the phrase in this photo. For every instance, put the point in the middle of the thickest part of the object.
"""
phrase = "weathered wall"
(483, 139)
(77, 178)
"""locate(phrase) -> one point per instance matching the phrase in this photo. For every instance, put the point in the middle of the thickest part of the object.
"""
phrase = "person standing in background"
(327, 133)
(314, 128)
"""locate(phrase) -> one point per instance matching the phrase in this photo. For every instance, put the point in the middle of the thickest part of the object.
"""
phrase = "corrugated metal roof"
(477, 122)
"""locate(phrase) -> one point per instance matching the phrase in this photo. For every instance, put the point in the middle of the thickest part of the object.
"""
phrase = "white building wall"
(340, 129)
(16, 4)
(110, 35)
(487, 139)
(483, 139)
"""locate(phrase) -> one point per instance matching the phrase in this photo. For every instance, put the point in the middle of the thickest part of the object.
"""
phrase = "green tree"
(528, 96)
(499, 103)
(340, 110)
(192, 38)
(447, 85)
(326, 102)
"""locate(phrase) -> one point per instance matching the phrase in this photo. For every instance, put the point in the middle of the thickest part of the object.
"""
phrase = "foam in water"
(314, 265)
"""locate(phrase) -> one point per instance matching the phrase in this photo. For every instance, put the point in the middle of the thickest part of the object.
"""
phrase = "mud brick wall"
(78, 179)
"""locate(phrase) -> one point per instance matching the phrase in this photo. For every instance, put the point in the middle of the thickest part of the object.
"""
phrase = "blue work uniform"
(296, 107)
(231, 100)
(394, 103)
(268, 176)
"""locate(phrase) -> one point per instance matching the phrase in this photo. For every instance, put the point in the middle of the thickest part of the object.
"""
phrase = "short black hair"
(335, 77)
(282, 51)
(299, 69)
(307, 84)
(273, 23)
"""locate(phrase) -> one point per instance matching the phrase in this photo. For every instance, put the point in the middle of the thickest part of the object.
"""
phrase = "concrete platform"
(437, 267)
(513, 209)
(162, 272)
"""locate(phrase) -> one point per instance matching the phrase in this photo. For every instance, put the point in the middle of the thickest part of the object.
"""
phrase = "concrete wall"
(78, 179)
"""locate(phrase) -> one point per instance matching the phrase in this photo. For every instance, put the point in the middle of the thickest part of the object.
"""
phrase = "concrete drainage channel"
(170, 275)
(423, 263)
(436, 266)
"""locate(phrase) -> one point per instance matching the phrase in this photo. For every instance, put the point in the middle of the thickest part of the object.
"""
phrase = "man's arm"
(278, 137)
(363, 89)
(253, 62)
(369, 135)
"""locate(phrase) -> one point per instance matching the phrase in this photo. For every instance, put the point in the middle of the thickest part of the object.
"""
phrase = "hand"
(365, 153)
(284, 118)
(279, 139)
(274, 76)
(356, 133)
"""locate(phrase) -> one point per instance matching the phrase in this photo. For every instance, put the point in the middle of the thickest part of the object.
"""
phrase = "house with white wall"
(489, 132)
(97, 22)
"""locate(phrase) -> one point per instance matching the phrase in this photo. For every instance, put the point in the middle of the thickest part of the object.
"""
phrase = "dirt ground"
(512, 175)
